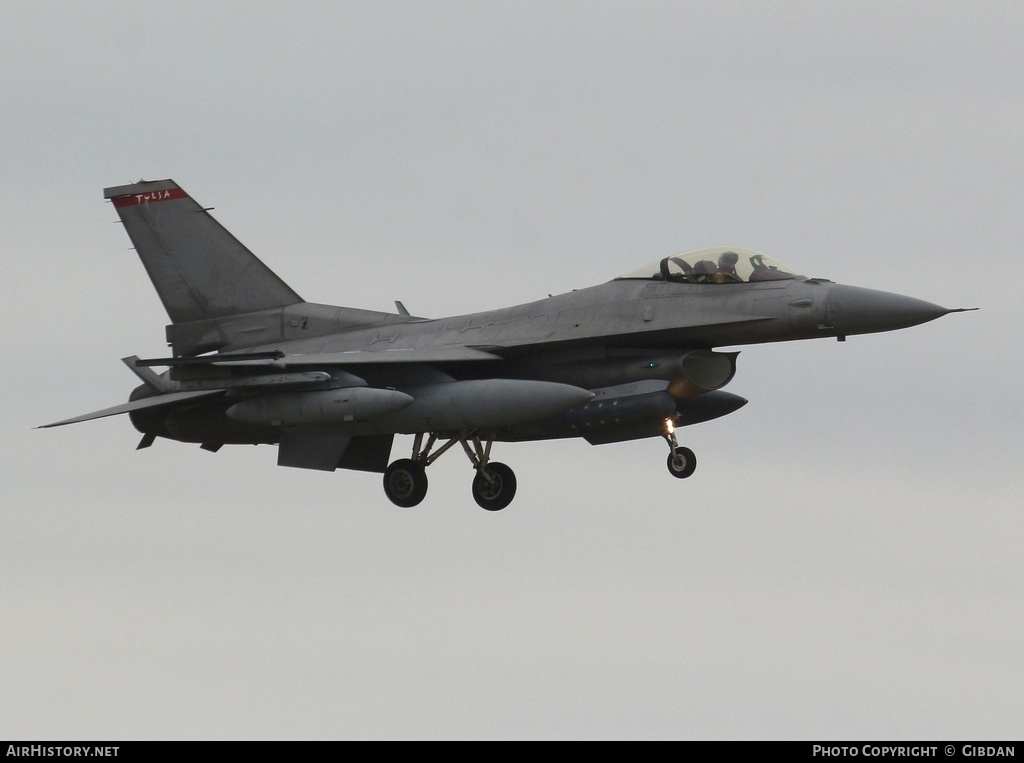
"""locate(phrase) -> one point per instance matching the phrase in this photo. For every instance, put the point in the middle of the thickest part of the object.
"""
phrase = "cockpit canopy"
(717, 264)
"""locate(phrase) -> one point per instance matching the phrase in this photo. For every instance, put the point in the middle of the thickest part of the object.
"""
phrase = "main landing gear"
(405, 482)
(494, 486)
(681, 461)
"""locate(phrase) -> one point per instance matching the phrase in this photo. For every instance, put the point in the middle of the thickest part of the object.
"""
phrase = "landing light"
(669, 426)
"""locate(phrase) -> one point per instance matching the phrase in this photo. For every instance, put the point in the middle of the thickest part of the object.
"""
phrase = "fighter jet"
(253, 363)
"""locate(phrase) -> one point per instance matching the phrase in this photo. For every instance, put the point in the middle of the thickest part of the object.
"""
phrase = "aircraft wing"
(445, 354)
(137, 405)
(279, 359)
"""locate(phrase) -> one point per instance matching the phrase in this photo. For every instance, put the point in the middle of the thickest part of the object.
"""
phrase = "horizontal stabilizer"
(137, 405)
(151, 379)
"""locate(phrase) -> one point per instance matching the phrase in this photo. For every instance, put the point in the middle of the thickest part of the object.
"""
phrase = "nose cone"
(853, 310)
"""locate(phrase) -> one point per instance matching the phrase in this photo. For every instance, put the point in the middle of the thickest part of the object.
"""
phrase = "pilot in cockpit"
(727, 268)
(723, 272)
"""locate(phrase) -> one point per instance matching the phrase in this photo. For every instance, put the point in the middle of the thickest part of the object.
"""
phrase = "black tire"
(682, 463)
(497, 492)
(405, 483)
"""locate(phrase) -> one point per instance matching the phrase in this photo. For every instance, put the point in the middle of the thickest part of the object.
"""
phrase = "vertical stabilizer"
(199, 270)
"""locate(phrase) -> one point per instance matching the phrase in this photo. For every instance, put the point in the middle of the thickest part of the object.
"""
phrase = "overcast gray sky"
(846, 563)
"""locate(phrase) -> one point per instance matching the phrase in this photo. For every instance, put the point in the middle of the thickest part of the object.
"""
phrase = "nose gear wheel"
(681, 460)
(682, 463)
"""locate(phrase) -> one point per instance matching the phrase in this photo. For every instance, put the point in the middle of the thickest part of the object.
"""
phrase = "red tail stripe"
(149, 197)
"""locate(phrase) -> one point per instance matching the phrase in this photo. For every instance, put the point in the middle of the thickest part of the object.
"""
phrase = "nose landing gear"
(681, 461)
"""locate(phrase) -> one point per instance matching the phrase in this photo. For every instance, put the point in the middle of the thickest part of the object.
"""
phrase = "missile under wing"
(253, 363)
